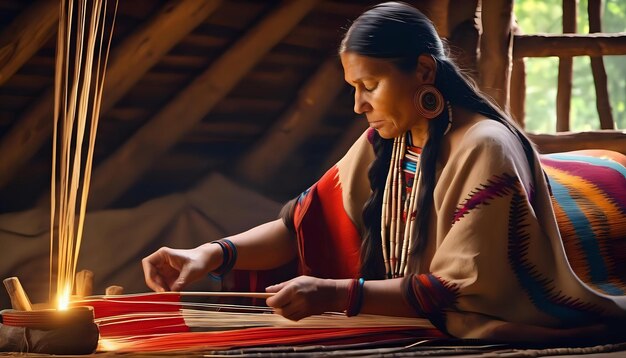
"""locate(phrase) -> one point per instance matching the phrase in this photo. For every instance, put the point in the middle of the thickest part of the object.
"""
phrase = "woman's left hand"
(305, 296)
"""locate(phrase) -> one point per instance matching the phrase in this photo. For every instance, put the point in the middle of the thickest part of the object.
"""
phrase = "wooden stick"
(205, 294)
(19, 299)
(229, 294)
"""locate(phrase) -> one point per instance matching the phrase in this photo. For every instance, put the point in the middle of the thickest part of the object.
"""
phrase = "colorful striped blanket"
(589, 199)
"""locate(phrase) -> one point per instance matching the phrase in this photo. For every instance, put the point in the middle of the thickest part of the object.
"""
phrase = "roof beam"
(25, 36)
(127, 63)
(295, 125)
(120, 171)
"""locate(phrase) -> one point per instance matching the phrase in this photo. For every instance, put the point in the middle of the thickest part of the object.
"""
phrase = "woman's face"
(383, 93)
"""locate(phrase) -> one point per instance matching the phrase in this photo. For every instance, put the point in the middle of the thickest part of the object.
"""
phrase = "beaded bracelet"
(229, 257)
(355, 297)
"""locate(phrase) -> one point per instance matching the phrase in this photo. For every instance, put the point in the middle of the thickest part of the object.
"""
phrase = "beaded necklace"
(399, 204)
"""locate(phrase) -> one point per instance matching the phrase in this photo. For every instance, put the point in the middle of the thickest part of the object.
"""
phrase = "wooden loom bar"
(564, 89)
(594, 9)
(546, 45)
(25, 35)
(195, 294)
(128, 62)
(494, 64)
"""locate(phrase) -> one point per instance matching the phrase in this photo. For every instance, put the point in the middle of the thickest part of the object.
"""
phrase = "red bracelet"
(355, 297)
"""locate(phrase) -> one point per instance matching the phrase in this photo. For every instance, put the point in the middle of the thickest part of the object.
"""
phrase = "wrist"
(342, 289)
(226, 257)
(212, 256)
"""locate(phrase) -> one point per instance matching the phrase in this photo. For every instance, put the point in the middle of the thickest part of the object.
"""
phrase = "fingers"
(294, 299)
(151, 265)
(292, 312)
(277, 287)
(282, 296)
(182, 280)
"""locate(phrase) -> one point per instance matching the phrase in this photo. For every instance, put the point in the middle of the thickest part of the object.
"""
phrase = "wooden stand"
(49, 331)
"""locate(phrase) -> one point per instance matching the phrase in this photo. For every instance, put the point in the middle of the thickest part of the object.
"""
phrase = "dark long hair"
(400, 33)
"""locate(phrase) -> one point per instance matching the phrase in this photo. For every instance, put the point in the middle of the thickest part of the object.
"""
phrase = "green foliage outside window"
(544, 16)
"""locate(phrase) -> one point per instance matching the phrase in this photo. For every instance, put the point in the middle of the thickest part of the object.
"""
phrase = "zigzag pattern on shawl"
(499, 186)
(540, 289)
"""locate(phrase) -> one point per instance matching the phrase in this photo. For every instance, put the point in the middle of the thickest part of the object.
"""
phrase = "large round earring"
(428, 101)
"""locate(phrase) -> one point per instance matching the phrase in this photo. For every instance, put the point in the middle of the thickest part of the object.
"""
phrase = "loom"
(166, 322)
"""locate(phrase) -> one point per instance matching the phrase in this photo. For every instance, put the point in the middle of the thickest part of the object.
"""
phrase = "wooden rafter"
(144, 48)
(566, 66)
(128, 62)
(494, 64)
(25, 36)
(293, 128)
(546, 45)
(120, 171)
(594, 9)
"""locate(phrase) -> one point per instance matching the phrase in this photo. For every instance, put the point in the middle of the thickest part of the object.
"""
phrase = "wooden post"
(84, 283)
(464, 36)
(19, 298)
(594, 9)
(496, 49)
(564, 90)
(437, 12)
(518, 87)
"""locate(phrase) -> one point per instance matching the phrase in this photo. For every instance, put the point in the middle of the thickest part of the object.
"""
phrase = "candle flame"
(64, 298)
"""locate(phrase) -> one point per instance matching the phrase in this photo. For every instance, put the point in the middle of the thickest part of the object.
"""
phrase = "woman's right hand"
(172, 269)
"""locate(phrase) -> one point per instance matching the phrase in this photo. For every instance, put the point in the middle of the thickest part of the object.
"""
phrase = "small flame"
(64, 299)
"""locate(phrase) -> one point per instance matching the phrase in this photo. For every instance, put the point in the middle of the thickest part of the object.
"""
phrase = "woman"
(468, 236)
